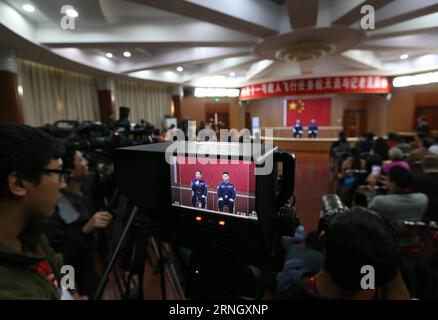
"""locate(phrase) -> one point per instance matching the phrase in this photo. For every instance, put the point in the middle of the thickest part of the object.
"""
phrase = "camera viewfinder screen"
(223, 188)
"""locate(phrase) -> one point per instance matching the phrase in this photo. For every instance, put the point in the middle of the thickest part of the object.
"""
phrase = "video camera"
(246, 215)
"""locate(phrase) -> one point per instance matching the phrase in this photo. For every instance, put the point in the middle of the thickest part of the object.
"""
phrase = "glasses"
(63, 174)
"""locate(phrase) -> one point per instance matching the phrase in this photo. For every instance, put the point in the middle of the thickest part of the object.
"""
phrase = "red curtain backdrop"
(307, 109)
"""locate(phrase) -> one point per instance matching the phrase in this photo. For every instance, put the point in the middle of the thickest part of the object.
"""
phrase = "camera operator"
(353, 240)
(31, 177)
(72, 228)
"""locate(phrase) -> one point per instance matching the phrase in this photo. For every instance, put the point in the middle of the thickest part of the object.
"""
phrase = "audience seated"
(381, 148)
(427, 183)
(352, 240)
(400, 204)
(395, 160)
(353, 162)
(393, 139)
(72, 228)
(365, 143)
(372, 160)
(421, 152)
(404, 146)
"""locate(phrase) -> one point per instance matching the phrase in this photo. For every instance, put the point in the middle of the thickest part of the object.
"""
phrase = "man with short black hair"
(226, 193)
(353, 240)
(199, 190)
(427, 183)
(31, 177)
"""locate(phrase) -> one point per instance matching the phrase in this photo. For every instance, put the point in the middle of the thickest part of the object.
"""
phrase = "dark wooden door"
(219, 117)
(355, 122)
(248, 124)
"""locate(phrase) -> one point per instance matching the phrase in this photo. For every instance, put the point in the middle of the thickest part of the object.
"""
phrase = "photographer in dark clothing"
(72, 229)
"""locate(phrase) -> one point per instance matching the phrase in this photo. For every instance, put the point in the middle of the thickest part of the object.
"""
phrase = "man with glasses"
(72, 229)
(31, 177)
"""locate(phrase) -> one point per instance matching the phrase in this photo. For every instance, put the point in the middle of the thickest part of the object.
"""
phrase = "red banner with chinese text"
(308, 109)
(351, 84)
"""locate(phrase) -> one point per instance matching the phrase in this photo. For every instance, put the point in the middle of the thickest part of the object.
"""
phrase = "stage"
(307, 144)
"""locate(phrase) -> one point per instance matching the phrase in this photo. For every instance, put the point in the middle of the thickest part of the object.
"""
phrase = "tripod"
(140, 234)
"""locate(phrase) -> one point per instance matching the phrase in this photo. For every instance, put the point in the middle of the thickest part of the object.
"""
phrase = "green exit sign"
(217, 99)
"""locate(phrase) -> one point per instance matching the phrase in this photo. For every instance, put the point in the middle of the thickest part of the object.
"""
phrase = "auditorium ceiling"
(226, 43)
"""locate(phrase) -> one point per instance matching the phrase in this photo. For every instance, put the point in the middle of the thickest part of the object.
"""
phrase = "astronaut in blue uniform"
(226, 193)
(313, 129)
(199, 190)
(298, 129)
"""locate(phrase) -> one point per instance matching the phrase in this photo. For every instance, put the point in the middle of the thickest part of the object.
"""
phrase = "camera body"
(146, 178)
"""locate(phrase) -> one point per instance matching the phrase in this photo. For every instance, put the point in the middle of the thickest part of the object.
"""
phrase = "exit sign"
(217, 99)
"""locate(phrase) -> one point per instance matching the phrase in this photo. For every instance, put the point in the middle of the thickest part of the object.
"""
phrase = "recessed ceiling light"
(232, 74)
(72, 13)
(109, 55)
(180, 69)
(404, 56)
(28, 8)
(127, 54)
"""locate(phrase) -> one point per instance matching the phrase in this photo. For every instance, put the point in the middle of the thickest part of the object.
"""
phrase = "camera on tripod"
(242, 214)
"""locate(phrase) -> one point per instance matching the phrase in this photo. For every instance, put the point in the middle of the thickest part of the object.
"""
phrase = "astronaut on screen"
(298, 129)
(313, 129)
(199, 190)
(226, 193)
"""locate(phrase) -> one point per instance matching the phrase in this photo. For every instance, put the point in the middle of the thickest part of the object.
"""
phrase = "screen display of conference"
(222, 188)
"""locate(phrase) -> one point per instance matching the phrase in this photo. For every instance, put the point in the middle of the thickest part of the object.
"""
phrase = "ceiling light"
(232, 74)
(415, 80)
(404, 56)
(28, 8)
(109, 55)
(127, 54)
(72, 13)
(216, 92)
(180, 69)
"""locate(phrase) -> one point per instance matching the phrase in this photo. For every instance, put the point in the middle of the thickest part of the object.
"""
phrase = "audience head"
(381, 148)
(393, 137)
(369, 135)
(400, 180)
(74, 160)
(29, 160)
(426, 143)
(373, 160)
(395, 154)
(430, 164)
(358, 238)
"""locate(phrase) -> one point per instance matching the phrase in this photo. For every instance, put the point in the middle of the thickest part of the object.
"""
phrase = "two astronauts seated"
(226, 192)
(312, 129)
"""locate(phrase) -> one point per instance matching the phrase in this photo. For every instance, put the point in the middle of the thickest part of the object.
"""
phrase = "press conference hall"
(249, 151)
